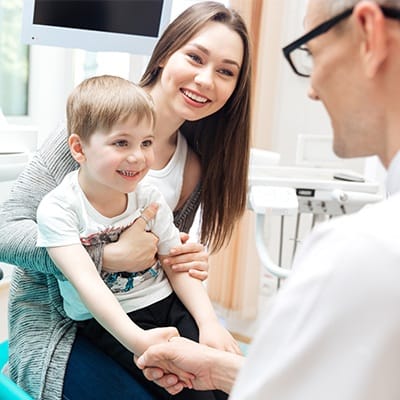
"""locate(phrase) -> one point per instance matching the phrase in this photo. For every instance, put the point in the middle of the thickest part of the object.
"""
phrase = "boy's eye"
(121, 143)
(147, 143)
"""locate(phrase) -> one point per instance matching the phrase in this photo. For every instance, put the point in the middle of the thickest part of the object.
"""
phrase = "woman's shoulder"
(191, 176)
(55, 153)
(65, 196)
(56, 141)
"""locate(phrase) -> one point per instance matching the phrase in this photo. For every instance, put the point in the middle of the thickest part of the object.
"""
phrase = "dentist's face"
(199, 78)
(339, 82)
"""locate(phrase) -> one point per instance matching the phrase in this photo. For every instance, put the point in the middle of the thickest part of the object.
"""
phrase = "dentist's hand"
(183, 363)
(176, 368)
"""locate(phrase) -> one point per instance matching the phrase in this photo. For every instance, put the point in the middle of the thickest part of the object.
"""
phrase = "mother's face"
(198, 79)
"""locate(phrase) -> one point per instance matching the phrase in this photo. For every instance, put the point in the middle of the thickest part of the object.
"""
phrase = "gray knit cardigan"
(40, 334)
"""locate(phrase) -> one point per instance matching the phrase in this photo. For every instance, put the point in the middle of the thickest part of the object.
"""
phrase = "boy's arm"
(189, 290)
(192, 294)
(77, 266)
(195, 298)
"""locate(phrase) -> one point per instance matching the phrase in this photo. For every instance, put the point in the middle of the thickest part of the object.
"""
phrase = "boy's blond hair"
(102, 101)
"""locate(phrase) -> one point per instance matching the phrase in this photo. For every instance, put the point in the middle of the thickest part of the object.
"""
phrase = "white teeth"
(127, 173)
(194, 97)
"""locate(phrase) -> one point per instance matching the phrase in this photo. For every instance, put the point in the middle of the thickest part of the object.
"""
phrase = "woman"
(199, 78)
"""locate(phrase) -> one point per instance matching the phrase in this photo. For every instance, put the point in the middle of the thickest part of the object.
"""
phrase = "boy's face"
(116, 160)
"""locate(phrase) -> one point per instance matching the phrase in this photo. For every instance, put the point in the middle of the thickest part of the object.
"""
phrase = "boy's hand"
(154, 336)
(213, 334)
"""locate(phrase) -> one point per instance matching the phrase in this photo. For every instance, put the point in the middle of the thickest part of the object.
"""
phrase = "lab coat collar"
(393, 175)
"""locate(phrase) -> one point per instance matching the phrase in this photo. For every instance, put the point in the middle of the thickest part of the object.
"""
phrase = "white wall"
(4, 290)
(5, 282)
(295, 114)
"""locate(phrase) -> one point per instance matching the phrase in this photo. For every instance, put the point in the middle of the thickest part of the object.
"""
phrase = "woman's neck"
(164, 148)
(166, 129)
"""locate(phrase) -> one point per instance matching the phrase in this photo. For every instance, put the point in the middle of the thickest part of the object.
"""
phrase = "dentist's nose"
(312, 94)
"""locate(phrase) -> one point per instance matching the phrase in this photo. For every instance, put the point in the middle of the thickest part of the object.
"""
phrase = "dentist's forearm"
(224, 369)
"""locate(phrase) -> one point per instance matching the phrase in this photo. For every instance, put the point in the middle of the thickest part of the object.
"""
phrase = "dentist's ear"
(374, 46)
(76, 148)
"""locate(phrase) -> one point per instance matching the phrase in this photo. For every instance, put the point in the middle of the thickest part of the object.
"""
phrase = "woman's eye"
(147, 143)
(121, 143)
(226, 72)
(195, 58)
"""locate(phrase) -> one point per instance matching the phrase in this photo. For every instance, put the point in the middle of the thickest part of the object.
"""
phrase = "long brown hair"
(222, 140)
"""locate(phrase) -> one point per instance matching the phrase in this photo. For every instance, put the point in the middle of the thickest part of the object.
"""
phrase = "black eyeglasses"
(298, 55)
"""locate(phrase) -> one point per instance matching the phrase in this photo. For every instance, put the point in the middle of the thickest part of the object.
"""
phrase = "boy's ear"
(76, 148)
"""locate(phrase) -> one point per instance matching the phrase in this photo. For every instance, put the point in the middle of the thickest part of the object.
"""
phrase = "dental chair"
(8, 389)
(304, 196)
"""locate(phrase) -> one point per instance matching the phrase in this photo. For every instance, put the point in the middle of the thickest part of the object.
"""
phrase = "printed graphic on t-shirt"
(119, 282)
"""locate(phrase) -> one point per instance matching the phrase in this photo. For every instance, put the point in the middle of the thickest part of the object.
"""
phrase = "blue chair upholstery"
(8, 389)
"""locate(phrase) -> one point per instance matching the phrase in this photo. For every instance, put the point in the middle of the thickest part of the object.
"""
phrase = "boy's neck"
(106, 202)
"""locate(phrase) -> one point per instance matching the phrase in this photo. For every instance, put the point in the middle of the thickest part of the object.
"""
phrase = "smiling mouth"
(130, 174)
(195, 97)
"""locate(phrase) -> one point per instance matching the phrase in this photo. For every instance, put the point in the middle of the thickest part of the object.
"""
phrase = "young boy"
(110, 123)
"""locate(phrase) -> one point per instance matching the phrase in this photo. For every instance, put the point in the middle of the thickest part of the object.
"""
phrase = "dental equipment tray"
(295, 191)
(318, 190)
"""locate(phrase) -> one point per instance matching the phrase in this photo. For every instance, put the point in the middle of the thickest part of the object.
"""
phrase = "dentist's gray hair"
(337, 6)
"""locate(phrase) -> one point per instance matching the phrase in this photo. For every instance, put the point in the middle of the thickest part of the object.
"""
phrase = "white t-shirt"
(66, 217)
(333, 331)
(169, 180)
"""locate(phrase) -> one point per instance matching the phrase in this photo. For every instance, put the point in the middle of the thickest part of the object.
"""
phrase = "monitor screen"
(131, 26)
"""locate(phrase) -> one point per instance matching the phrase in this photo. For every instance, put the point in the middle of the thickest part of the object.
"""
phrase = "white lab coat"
(333, 332)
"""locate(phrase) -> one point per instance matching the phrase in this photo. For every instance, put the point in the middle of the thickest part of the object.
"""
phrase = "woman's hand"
(189, 257)
(135, 249)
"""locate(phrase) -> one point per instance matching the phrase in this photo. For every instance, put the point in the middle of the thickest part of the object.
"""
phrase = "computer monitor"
(131, 26)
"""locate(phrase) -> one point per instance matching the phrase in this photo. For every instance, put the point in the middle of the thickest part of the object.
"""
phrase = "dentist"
(333, 331)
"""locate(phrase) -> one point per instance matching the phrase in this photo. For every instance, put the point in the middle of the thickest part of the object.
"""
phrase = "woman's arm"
(135, 249)
(18, 213)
